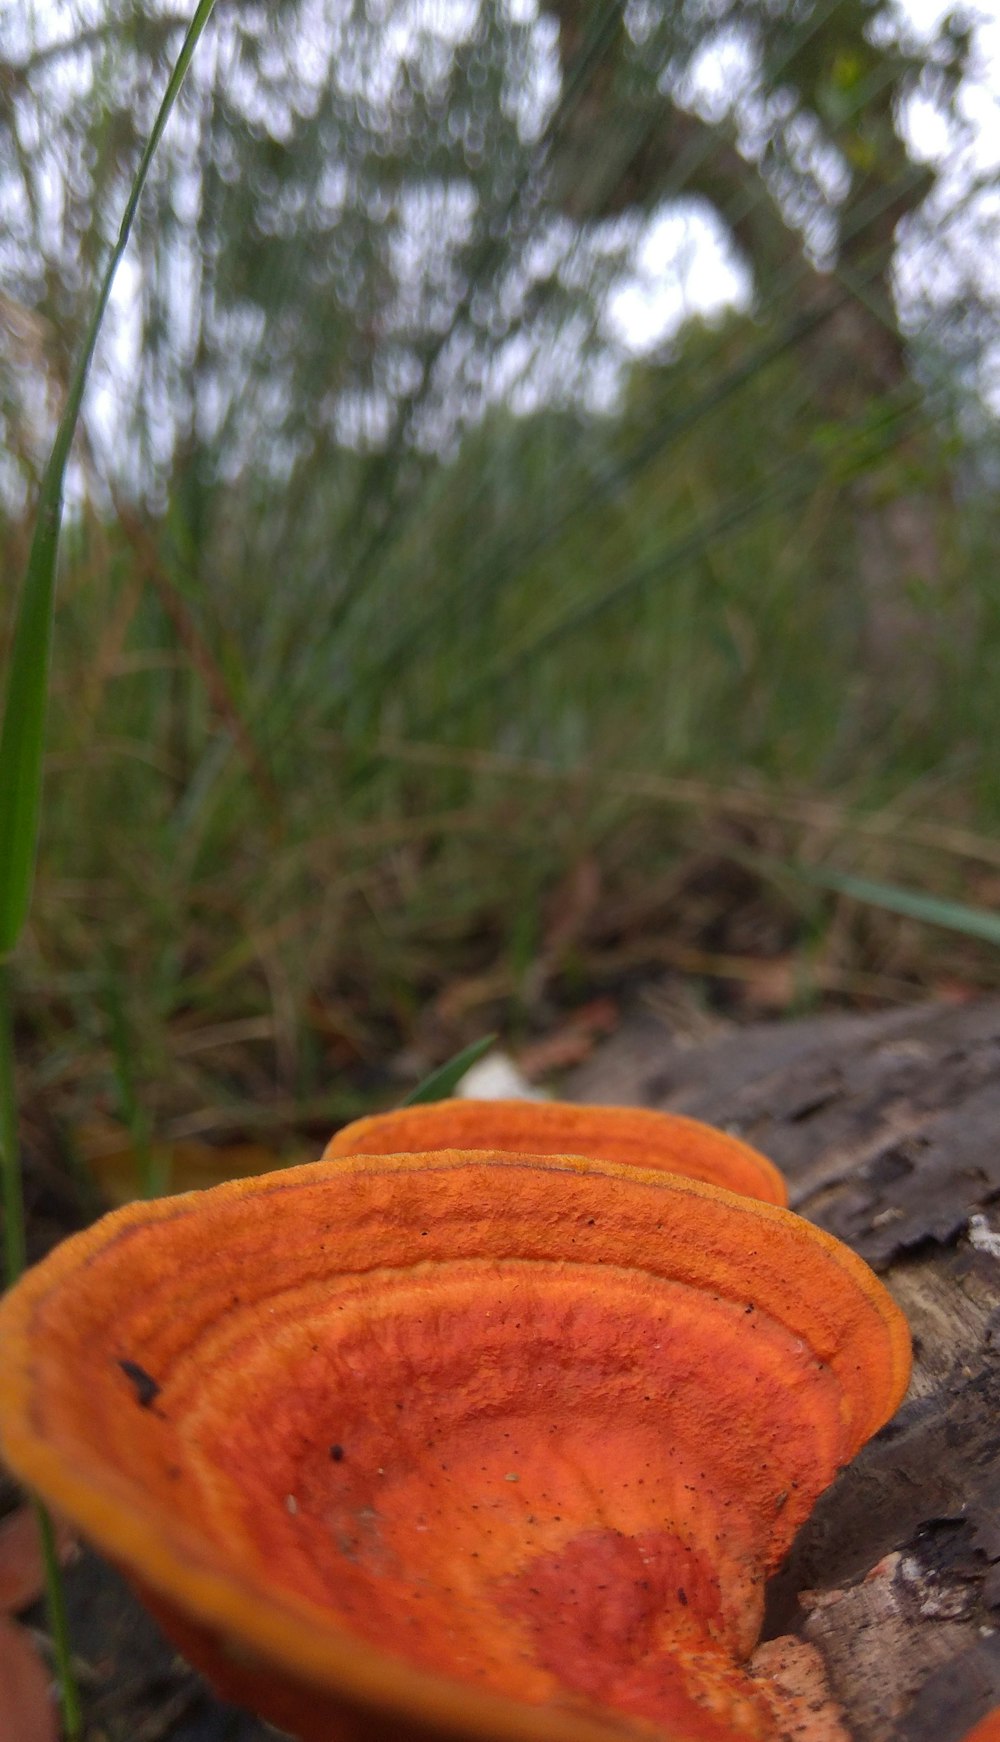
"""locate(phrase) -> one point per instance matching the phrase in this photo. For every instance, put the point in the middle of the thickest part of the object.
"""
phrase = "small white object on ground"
(497, 1078)
(982, 1237)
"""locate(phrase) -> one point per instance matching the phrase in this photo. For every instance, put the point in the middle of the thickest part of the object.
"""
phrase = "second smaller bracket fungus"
(635, 1136)
(485, 1446)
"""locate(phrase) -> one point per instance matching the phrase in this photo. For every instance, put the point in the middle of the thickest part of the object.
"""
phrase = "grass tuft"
(443, 1082)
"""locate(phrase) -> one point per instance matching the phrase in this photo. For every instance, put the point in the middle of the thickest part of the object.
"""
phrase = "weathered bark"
(888, 1129)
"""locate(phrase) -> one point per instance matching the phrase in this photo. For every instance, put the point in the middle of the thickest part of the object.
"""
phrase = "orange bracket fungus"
(987, 1730)
(465, 1443)
(633, 1135)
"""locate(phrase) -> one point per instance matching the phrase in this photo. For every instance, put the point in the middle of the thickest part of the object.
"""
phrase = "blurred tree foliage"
(371, 213)
(375, 219)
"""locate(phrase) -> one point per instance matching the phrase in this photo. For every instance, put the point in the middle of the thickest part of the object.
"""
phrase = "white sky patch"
(926, 17)
(979, 98)
(683, 266)
(121, 339)
(715, 72)
(928, 133)
(532, 99)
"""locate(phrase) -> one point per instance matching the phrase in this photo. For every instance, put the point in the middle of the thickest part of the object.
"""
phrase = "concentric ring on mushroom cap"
(208, 1386)
(635, 1136)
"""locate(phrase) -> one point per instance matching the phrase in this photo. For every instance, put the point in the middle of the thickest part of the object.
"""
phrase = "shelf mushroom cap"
(636, 1136)
(987, 1730)
(453, 1445)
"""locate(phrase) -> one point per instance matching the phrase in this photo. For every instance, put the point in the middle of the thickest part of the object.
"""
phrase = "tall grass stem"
(13, 1189)
(22, 740)
(443, 1082)
(55, 1597)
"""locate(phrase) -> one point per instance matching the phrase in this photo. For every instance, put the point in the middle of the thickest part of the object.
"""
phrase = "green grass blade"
(22, 737)
(23, 732)
(10, 1168)
(439, 1085)
(55, 1598)
(974, 922)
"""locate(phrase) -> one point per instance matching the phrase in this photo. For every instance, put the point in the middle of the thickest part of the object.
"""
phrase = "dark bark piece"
(134, 1686)
(888, 1130)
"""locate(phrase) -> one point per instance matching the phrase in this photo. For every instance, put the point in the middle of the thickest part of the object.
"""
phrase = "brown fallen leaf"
(22, 1564)
(573, 1041)
(185, 1165)
(461, 997)
(27, 1707)
(952, 990)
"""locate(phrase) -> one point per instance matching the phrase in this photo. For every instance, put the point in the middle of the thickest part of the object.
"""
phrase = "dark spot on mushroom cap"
(147, 1389)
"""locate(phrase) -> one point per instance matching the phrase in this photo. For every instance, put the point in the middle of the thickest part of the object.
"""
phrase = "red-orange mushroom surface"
(454, 1445)
(637, 1136)
(987, 1730)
